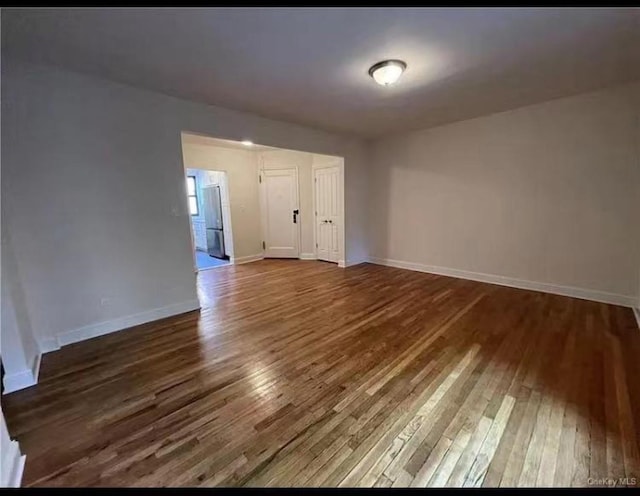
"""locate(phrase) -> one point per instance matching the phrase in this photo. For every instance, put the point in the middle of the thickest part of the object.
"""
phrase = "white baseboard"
(14, 475)
(48, 344)
(101, 328)
(636, 312)
(23, 379)
(585, 294)
(17, 471)
(247, 259)
(308, 256)
(351, 263)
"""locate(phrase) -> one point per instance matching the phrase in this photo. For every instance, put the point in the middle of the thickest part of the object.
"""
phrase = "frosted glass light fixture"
(247, 142)
(387, 72)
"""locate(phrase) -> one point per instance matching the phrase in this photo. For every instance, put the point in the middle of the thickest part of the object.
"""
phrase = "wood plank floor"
(298, 373)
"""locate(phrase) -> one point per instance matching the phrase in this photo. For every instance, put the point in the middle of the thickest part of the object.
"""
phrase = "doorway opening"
(208, 200)
(283, 203)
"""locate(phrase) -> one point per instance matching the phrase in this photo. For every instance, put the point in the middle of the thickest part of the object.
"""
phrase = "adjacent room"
(352, 247)
(281, 203)
(208, 197)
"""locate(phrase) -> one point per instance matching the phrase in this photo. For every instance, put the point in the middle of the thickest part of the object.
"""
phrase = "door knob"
(330, 221)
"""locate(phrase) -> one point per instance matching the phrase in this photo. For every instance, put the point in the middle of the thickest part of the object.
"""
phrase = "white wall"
(93, 192)
(546, 193)
(242, 176)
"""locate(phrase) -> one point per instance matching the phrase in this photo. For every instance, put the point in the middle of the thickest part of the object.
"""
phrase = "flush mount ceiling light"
(247, 142)
(387, 72)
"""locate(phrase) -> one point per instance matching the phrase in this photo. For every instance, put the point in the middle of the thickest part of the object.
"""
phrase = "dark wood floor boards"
(299, 373)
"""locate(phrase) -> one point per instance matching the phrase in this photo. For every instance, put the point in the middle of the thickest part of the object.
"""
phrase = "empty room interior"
(320, 247)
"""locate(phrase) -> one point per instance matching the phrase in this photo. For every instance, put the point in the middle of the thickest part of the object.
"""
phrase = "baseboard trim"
(636, 312)
(36, 367)
(247, 259)
(47, 345)
(17, 471)
(585, 294)
(14, 476)
(351, 263)
(342, 264)
(23, 379)
(102, 328)
(308, 256)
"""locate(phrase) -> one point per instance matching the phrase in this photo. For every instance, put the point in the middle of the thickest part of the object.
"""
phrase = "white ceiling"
(309, 65)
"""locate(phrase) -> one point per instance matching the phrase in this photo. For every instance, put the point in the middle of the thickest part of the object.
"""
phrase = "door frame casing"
(339, 163)
(263, 207)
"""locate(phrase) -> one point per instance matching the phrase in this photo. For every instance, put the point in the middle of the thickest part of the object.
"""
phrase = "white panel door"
(327, 213)
(281, 224)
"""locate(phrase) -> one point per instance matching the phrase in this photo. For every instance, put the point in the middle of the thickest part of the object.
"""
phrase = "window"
(192, 194)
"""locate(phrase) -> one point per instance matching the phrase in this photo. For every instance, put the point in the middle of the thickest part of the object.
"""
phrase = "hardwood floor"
(298, 373)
